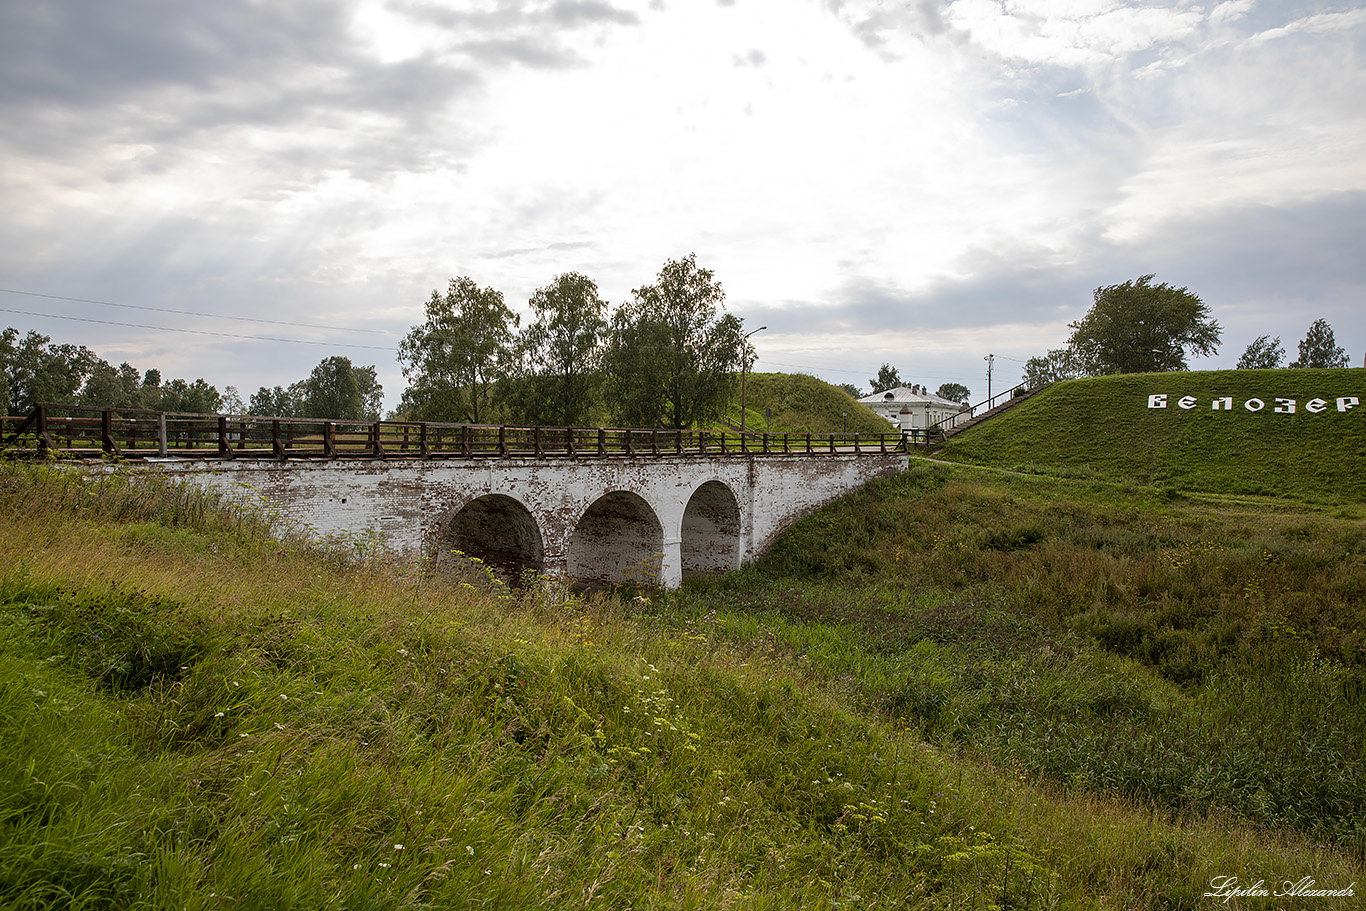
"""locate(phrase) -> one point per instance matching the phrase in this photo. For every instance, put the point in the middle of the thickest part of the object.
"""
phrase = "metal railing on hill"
(937, 432)
(77, 431)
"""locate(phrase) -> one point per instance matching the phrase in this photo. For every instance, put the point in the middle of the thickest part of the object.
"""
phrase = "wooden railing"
(76, 431)
(938, 431)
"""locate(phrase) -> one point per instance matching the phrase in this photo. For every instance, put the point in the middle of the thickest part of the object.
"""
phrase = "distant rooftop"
(907, 394)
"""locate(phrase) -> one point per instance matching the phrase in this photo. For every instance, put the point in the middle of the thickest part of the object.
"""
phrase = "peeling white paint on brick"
(637, 509)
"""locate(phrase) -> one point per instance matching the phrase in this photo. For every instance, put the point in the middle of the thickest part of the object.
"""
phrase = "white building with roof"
(913, 407)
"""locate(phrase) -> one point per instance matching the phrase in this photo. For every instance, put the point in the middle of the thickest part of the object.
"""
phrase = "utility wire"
(243, 319)
(257, 338)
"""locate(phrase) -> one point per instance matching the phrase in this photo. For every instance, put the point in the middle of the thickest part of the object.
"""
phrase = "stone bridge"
(645, 521)
(589, 504)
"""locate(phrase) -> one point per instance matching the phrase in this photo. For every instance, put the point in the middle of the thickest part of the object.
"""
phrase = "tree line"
(1142, 327)
(33, 369)
(668, 357)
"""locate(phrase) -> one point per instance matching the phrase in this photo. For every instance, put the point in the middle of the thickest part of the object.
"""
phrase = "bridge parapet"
(85, 432)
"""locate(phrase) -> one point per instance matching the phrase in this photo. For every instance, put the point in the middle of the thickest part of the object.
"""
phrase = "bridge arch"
(711, 531)
(619, 539)
(498, 530)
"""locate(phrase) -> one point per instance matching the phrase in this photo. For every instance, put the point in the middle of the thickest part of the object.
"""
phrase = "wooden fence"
(75, 431)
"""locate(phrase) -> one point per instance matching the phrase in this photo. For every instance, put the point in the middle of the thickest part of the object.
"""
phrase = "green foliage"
(672, 357)
(955, 392)
(1058, 365)
(558, 379)
(34, 370)
(453, 360)
(1103, 427)
(805, 404)
(887, 378)
(1139, 327)
(323, 733)
(1265, 353)
(1318, 348)
(338, 389)
(1107, 637)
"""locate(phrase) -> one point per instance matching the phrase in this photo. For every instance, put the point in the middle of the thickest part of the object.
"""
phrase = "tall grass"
(1197, 657)
(196, 715)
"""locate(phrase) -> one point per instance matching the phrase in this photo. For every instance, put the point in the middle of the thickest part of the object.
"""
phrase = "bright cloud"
(921, 183)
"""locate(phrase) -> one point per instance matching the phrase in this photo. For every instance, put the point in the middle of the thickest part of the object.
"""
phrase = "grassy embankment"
(803, 404)
(1126, 692)
(1104, 428)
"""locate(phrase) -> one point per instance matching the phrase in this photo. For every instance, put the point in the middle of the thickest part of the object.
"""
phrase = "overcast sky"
(922, 183)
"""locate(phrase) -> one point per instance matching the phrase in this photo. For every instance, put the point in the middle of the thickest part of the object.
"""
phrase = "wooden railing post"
(502, 441)
(602, 443)
(224, 447)
(378, 443)
(107, 432)
(161, 433)
(277, 445)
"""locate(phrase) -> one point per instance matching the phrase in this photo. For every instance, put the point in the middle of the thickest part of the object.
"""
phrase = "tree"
(338, 390)
(854, 391)
(34, 370)
(454, 358)
(1265, 353)
(955, 392)
(1055, 366)
(559, 355)
(670, 358)
(1139, 327)
(1319, 349)
(887, 378)
(278, 402)
(191, 398)
(113, 387)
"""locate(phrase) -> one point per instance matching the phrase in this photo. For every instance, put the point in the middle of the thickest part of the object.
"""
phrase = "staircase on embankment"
(1010, 399)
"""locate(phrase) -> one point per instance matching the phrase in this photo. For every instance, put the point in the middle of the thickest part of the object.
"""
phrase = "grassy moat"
(959, 688)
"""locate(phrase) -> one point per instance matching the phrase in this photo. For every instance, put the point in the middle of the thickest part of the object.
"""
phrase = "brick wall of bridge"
(595, 519)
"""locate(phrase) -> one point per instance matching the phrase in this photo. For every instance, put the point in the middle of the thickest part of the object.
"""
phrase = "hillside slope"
(804, 404)
(1253, 443)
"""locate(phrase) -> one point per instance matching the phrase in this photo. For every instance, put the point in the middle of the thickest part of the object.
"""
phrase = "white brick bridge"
(600, 506)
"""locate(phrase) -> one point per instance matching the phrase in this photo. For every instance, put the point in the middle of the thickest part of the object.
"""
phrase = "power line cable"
(256, 338)
(242, 319)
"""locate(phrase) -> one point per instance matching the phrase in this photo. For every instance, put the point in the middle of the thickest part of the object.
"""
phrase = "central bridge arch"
(619, 539)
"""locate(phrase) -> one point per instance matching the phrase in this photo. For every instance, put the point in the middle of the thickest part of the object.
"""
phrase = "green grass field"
(960, 688)
(1105, 428)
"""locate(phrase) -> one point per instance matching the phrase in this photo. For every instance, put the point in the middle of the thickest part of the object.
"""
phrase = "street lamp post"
(744, 371)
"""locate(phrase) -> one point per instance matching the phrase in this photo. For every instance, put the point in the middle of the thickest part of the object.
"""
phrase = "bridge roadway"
(599, 506)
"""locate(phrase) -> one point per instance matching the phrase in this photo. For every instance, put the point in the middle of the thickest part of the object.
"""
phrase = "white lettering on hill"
(1283, 405)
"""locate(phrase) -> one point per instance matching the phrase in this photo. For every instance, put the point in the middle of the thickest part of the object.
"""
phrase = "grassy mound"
(196, 715)
(804, 404)
(1105, 427)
